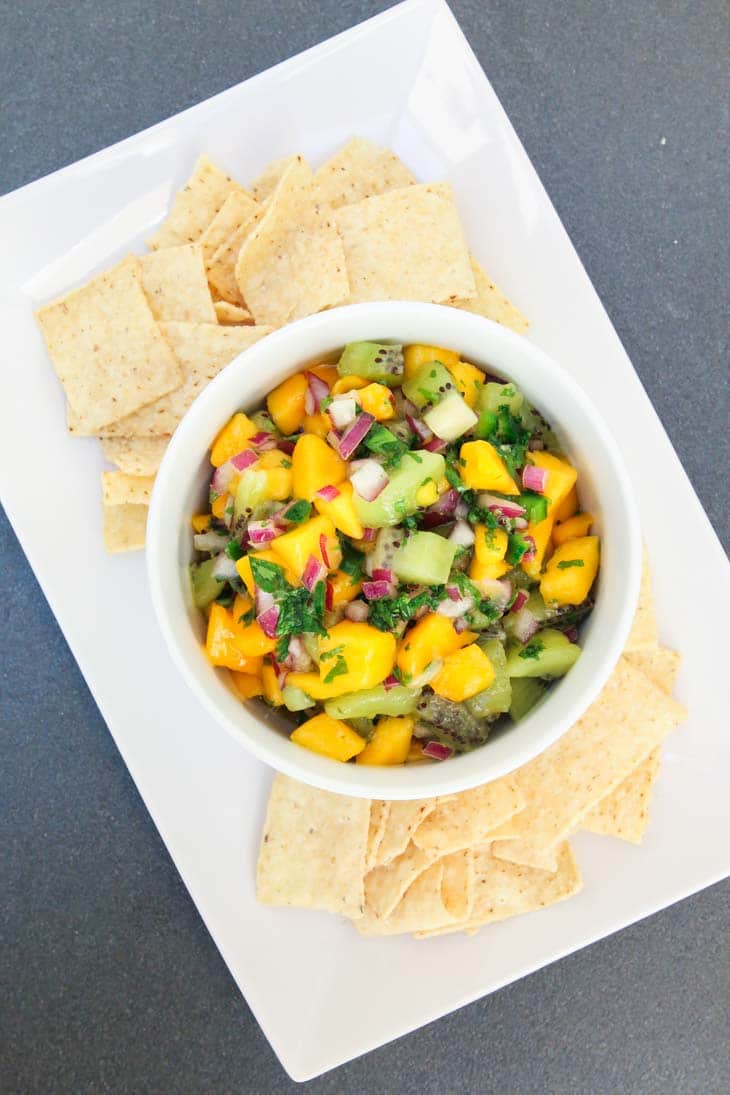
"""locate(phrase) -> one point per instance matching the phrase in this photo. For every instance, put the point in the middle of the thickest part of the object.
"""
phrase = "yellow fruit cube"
(221, 643)
(417, 355)
(571, 571)
(464, 673)
(343, 588)
(201, 522)
(377, 400)
(579, 525)
(270, 684)
(348, 384)
(328, 373)
(390, 744)
(315, 465)
(468, 380)
(318, 424)
(482, 468)
(232, 439)
(561, 477)
(247, 685)
(427, 493)
(286, 403)
(540, 533)
(567, 507)
(490, 544)
(329, 737)
(431, 639)
(352, 657)
(341, 511)
(294, 548)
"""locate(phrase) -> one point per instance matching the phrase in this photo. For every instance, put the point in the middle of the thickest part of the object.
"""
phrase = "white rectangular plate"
(321, 993)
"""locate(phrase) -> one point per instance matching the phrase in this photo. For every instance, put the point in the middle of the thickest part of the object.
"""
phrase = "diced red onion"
(268, 621)
(224, 568)
(521, 599)
(525, 625)
(461, 624)
(390, 682)
(263, 599)
(354, 434)
(436, 444)
(328, 494)
(381, 574)
(343, 411)
(368, 479)
(324, 552)
(369, 534)
(210, 541)
(502, 506)
(375, 591)
(461, 510)
(286, 446)
(419, 427)
(329, 596)
(453, 593)
(297, 659)
(572, 634)
(462, 534)
(314, 571)
(263, 441)
(446, 504)
(263, 532)
(223, 476)
(243, 460)
(317, 390)
(498, 590)
(534, 478)
(437, 750)
(530, 555)
(357, 611)
(281, 673)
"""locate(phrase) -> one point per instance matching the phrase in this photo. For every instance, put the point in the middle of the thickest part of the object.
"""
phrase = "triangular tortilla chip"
(119, 489)
(195, 205)
(466, 819)
(175, 284)
(644, 634)
(360, 169)
(492, 303)
(124, 527)
(134, 455)
(402, 821)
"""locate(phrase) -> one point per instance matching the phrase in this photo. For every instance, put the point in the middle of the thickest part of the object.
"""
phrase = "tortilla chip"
(625, 812)
(221, 266)
(644, 634)
(134, 455)
(491, 302)
(502, 890)
(266, 183)
(466, 819)
(378, 820)
(119, 489)
(659, 663)
(517, 851)
(195, 205)
(422, 908)
(385, 886)
(407, 244)
(231, 315)
(238, 209)
(313, 849)
(203, 350)
(124, 527)
(292, 264)
(458, 884)
(360, 169)
(176, 286)
(402, 821)
(106, 348)
(629, 719)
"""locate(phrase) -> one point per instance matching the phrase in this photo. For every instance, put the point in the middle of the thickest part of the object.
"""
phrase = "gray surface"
(109, 980)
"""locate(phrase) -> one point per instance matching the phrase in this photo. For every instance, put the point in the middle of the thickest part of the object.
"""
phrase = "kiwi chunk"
(372, 360)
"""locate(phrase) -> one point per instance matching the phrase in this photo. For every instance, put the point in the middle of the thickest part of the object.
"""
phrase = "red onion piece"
(455, 610)
(324, 552)
(534, 478)
(286, 446)
(357, 611)
(368, 479)
(572, 634)
(222, 477)
(281, 673)
(521, 599)
(390, 682)
(380, 574)
(354, 434)
(243, 460)
(460, 624)
(461, 510)
(462, 534)
(419, 427)
(297, 659)
(520, 523)
(328, 494)
(369, 534)
(343, 411)
(268, 621)
(446, 504)
(437, 751)
(530, 555)
(329, 596)
(525, 625)
(435, 445)
(502, 506)
(262, 532)
(453, 593)
(375, 591)
(314, 571)
(263, 441)
(317, 390)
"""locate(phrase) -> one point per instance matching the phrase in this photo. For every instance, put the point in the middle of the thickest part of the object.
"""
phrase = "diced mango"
(201, 522)
(318, 424)
(490, 548)
(348, 384)
(294, 548)
(482, 468)
(343, 588)
(571, 571)
(247, 685)
(328, 373)
(391, 742)
(579, 525)
(428, 493)
(355, 656)
(218, 508)
(270, 683)
(241, 605)
(315, 465)
(286, 403)
(468, 380)
(417, 355)
(243, 566)
(432, 638)
(487, 572)
(221, 643)
(567, 507)
(377, 400)
(560, 479)
(341, 511)
(540, 533)
(464, 673)
(253, 641)
(329, 737)
(232, 439)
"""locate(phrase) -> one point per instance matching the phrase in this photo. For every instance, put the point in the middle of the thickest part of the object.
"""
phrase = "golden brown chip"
(203, 350)
(107, 349)
(644, 634)
(124, 527)
(625, 812)
(135, 455)
(407, 244)
(195, 205)
(402, 821)
(119, 489)
(491, 302)
(292, 263)
(175, 284)
(378, 820)
(313, 849)
(232, 315)
(466, 819)
(359, 170)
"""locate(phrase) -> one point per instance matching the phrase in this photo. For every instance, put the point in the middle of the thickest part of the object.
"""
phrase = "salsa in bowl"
(391, 555)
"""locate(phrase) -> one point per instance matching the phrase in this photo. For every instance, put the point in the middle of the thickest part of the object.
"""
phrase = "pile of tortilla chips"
(135, 345)
(456, 863)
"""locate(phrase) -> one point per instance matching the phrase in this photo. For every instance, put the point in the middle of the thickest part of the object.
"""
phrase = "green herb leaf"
(382, 442)
(533, 649)
(564, 564)
(299, 512)
(268, 576)
(234, 550)
(352, 560)
(337, 670)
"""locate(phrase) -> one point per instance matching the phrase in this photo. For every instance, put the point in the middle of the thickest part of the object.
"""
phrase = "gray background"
(109, 979)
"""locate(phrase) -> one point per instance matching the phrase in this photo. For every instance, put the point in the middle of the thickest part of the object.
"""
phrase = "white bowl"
(181, 490)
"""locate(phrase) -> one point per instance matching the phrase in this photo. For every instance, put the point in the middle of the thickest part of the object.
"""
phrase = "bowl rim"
(449, 326)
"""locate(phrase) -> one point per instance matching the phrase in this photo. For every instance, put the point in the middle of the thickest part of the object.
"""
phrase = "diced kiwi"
(492, 396)
(424, 559)
(205, 586)
(457, 726)
(373, 361)
(310, 643)
(374, 701)
(250, 494)
(450, 418)
(496, 699)
(364, 727)
(398, 499)
(549, 653)
(264, 422)
(526, 691)
(294, 699)
(429, 385)
(386, 545)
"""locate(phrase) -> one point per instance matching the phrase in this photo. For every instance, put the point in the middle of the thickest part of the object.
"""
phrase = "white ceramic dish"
(308, 978)
(181, 488)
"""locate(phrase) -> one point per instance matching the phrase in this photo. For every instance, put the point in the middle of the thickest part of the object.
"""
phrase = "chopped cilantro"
(337, 670)
(326, 654)
(410, 522)
(268, 576)
(285, 464)
(234, 550)
(302, 612)
(533, 649)
(248, 617)
(382, 442)
(225, 598)
(416, 456)
(352, 560)
(389, 611)
(565, 563)
(299, 512)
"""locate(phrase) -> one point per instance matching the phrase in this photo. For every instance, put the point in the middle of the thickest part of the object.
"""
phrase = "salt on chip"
(491, 302)
(402, 821)
(176, 286)
(378, 820)
(644, 634)
(360, 169)
(231, 315)
(313, 849)
(238, 208)
(421, 908)
(195, 205)
(107, 349)
(385, 886)
(628, 720)
(119, 489)
(292, 263)
(203, 350)
(407, 244)
(466, 819)
(124, 527)
(134, 455)
(625, 812)
(266, 183)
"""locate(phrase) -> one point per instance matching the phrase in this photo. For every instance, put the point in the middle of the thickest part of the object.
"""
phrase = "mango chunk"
(391, 742)
(315, 465)
(464, 673)
(329, 737)
(232, 439)
(431, 639)
(482, 468)
(571, 571)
